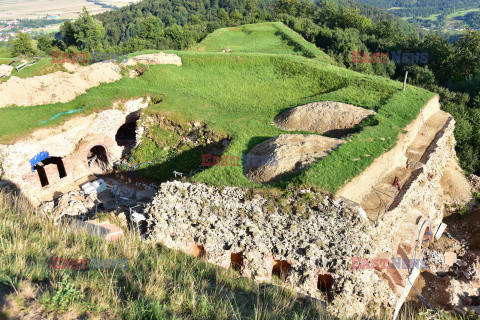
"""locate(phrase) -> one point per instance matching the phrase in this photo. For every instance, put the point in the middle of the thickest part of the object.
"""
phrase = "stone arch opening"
(198, 251)
(325, 282)
(127, 133)
(325, 285)
(236, 261)
(97, 158)
(281, 269)
(44, 166)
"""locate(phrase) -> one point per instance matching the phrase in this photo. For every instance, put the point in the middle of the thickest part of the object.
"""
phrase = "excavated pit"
(52, 162)
(83, 146)
(331, 118)
(277, 157)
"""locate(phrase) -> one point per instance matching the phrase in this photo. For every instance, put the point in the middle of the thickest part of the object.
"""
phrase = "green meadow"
(239, 94)
(269, 37)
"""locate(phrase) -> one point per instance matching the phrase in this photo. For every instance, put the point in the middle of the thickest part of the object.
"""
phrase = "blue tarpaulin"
(39, 157)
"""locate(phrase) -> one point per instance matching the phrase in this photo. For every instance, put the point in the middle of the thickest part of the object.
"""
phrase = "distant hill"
(409, 8)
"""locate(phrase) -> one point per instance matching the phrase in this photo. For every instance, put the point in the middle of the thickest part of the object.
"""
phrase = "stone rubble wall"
(181, 217)
(71, 141)
(214, 223)
(361, 185)
(418, 208)
(422, 192)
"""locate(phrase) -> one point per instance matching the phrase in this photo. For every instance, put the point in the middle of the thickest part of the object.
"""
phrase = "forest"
(472, 19)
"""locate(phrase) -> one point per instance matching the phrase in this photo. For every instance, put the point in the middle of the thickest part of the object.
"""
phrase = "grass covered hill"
(272, 38)
(239, 94)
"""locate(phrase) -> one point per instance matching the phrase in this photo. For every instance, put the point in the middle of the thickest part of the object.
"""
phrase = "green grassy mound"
(268, 37)
(239, 95)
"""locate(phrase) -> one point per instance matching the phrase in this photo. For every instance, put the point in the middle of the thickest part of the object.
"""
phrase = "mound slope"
(155, 58)
(5, 70)
(58, 86)
(322, 117)
(288, 153)
(66, 86)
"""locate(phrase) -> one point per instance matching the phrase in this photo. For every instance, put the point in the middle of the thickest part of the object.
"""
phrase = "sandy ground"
(5, 70)
(322, 117)
(65, 86)
(155, 58)
(58, 86)
(21, 9)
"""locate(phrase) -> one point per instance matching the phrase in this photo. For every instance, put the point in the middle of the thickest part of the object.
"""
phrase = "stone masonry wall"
(319, 242)
(422, 192)
(71, 141)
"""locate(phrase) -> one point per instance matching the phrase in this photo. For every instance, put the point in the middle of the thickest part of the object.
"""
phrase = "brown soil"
(66, 86)
(462, 237)
(287, 154)
(155, 58)
(424, 137)
(58, 86)
(467, 228)
(322, 117)
(456, 189)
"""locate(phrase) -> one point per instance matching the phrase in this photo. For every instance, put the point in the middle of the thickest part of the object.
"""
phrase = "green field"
(451, 21)
(240, 95)
(460, 13)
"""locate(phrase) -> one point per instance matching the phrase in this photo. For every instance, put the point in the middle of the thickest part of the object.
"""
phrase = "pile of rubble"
(96, 197)
(5, 70)
(309, 231)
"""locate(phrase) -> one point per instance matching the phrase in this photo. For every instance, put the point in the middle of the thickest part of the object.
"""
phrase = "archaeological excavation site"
(334, 199)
